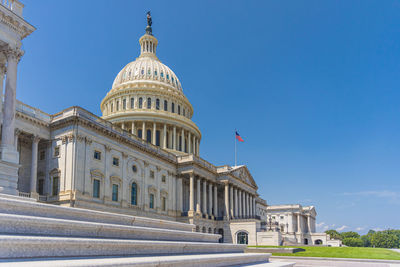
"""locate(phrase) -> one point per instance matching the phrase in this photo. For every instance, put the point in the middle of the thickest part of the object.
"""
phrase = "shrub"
(353, 242)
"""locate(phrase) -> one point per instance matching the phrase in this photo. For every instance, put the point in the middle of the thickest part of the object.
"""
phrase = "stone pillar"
(2, 73)
(123, 126)
(144, 130)
(17, 132)
(299, 230)
(165, 137)
(210, 201)
(8, 150)
(254, 206)
(236, 202)
(215, 201)
(174, 138)
(133, 130)
(198, 206)
(183, 140)
(191, 193)
(35, 144)
(227, 200)
(197, 147)
(308, 223)
(204, 197)
(190, 144)
(153, 140)
(194, 145)
(248, 204)
(240, 204)
(231, 202)
(251, 206)
(290, 223)
(179, 197)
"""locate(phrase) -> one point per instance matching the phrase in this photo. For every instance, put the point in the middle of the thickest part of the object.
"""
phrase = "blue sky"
(312, 87)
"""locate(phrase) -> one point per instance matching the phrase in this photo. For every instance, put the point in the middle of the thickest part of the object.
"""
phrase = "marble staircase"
(38, 234)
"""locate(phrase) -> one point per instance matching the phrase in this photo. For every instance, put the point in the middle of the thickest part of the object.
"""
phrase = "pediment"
(244, 175)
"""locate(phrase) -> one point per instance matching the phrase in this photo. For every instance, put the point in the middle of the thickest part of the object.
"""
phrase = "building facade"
(141, 157)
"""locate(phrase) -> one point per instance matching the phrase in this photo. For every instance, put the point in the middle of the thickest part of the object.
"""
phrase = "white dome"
(147, 69)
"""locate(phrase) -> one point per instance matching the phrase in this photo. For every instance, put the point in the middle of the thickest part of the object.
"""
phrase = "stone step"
(32, 225)
(20, 206)
(15, 246)
(203, 260)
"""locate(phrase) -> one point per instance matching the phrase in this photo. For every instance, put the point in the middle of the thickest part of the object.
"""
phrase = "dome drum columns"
(164, 135)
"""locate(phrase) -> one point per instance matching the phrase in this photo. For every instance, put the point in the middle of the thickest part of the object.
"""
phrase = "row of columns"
(195, 205)
(238, 203)
(193, 142)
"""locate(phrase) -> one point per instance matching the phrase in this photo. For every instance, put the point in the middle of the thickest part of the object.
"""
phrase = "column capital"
(35, 138)
(17, 131)
(12, 53)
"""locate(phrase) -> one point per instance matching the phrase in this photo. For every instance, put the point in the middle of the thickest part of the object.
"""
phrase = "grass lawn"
(343, 252)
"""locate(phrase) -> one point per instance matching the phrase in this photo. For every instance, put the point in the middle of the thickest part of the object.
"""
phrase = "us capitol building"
(141, 157)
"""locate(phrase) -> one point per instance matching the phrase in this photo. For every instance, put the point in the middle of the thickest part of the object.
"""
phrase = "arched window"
(162, 74)
(149, 103)
(134, 194)
(140, 102)
(179, 110)
(155, 72)
(148, 136)
(165, 105)
(242, 238)
(132, 102)
(158, 104)
(173, 107)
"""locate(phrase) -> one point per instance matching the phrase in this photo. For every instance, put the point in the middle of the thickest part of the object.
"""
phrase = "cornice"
(15, 22)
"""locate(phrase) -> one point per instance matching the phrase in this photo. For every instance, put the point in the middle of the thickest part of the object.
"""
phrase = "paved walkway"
(335, 262)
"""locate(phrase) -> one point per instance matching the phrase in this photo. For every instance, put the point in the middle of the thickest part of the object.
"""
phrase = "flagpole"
(235, 150)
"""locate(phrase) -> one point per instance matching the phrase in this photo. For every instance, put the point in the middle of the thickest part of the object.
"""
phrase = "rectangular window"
(42, 155)
(165, 105)
(151, 174)
(97, 155)
(132, 103)
(139, 133)
(117, 106)
(96, 188)
(151, 201)
(163, 178)
(179, 110)
(57, 151)
(124, 103)
(281, 217)
(115, 192)
(163, 204)
(158, 104)
(55, 186)
(115, 161)
(112, 107)
(173, 107)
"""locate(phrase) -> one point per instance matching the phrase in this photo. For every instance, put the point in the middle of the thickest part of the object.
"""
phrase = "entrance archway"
(221, 232)
(318, 242)
(305, 241)
(242, 238)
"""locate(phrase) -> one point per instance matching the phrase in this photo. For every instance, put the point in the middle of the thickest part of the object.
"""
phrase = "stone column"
(123, 126)
(299, 230)
(35, 144)
(165, 136)
(191, 193)
(227, 200)
(254, 206)
(204, 197)
(183, 140)
(210, 201)
(248, 204)
(251, 206)
(194, 145)
(8, 150)
(308, 223)
(197, 147)
(290, 222)
(153, 140)
(179, 197)
(144, 130)
(198, 207)
(236, 202)
(240, 204)
(174, 138)
(133, 130)
(190, 144)
(2, 73)
(215, 201)
(231, 202)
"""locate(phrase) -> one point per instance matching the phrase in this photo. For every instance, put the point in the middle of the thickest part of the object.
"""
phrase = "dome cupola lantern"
(147, 100)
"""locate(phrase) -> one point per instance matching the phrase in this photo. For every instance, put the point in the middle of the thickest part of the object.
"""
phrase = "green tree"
(333, 234)
(385, 239)
(353, 242)
(366, 240)
(349, 234)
